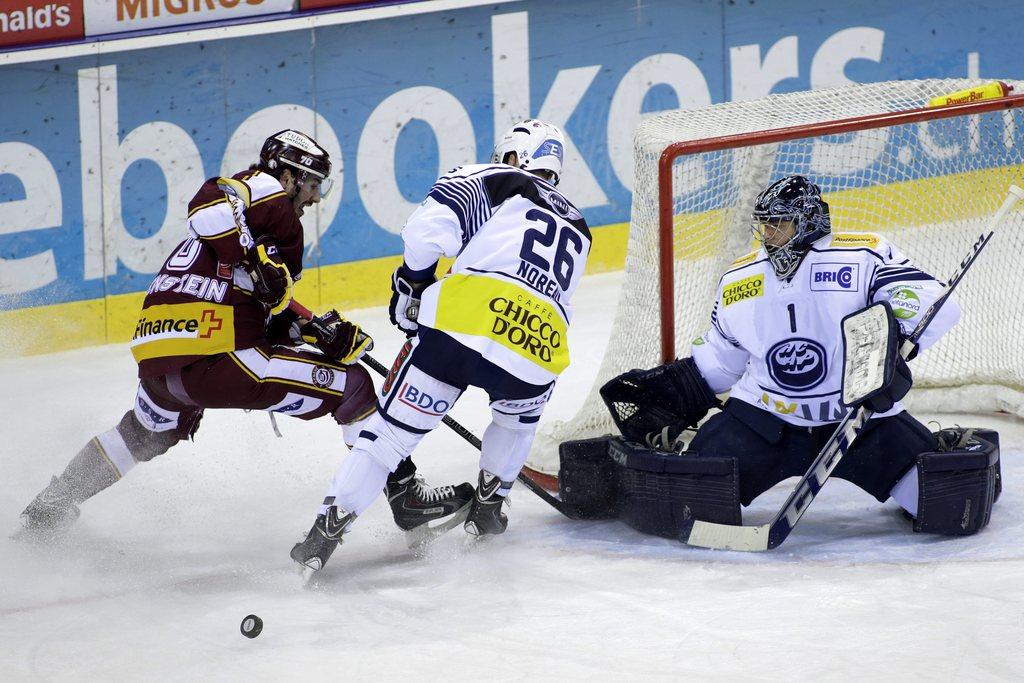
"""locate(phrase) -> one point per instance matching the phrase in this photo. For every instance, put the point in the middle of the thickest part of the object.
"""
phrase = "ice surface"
(154, 580)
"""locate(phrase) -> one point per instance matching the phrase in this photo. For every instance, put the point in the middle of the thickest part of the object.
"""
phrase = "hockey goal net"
(928, 178)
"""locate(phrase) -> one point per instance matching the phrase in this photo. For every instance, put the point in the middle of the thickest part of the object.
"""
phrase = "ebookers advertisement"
(35, 21)
(100, 154)
(113, 16)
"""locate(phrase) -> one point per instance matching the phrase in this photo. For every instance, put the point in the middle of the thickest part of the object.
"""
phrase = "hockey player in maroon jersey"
(215, 332)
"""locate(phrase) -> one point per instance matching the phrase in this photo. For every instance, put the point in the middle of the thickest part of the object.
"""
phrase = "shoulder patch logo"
(741, 290)
(855, 239)
(559, 203)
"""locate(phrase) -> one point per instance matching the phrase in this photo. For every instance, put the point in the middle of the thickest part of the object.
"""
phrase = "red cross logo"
(210, 316)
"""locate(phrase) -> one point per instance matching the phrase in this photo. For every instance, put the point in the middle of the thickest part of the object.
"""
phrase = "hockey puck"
(252, 626)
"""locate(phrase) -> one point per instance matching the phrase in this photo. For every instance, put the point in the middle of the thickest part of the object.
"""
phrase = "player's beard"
(300, 207)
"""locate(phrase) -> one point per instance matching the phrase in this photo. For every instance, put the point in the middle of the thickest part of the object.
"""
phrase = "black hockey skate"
(322, 539)
(485, 515)
(52, 510)
(414, 502)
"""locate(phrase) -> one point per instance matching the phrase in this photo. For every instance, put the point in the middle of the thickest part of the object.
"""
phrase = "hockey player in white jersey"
(498, 320)
(775, 345)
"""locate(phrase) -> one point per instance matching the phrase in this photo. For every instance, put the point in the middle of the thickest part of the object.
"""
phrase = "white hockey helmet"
(538, 146)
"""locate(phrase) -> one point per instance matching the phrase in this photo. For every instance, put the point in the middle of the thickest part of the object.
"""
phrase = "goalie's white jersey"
(778, 345)
(520, 247)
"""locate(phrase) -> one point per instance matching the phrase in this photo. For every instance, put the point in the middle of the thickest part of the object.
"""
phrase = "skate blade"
(424, 534)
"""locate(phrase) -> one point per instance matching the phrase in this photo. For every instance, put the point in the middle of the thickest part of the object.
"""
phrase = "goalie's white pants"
(414, 401)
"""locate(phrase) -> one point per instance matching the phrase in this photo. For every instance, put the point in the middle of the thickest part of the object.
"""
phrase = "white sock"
(504, 450)
(116, 451)
(357, 483)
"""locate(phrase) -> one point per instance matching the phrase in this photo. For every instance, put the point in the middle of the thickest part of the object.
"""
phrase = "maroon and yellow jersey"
(201, 301)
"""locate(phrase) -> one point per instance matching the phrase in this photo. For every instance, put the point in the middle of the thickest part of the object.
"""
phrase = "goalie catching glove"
(339, 339)
(673, 396)
(271, 281)
(406, 289)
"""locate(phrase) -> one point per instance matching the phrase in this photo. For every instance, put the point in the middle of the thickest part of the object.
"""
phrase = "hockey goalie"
(776, 345)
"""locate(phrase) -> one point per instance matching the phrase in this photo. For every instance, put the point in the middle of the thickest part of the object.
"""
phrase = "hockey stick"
(469, 436)
(771, 535)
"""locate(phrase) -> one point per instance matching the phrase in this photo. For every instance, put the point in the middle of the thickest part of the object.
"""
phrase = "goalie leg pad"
(956, 489)
(652, 491)
(659, 491)
(588, 478)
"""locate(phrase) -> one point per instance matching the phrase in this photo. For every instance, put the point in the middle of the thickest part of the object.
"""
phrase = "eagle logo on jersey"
(797, 363)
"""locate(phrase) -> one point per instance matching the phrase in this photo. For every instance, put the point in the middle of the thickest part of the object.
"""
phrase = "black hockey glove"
(285, 328)
(406, 288)
(674, 396)
(339, 339)
(896, 389)
(271, 281)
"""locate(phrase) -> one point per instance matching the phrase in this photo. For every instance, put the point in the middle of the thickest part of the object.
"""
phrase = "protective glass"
(316, 183)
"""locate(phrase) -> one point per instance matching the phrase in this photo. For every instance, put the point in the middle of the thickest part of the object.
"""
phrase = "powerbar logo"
(524, 328)
(741, 290)
(35, 18)
(855, 239)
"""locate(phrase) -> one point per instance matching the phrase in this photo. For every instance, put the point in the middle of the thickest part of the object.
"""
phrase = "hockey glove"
(896, 389)
(339, 339)
(406, 288)
(674, 395)
(271, 281)
(284, 329)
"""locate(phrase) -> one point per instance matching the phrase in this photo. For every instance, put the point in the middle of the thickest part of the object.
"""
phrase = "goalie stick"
(456, 427)
(771, 535)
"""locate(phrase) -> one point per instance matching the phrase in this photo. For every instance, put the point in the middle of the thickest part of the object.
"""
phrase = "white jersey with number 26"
(520, 248)
(778, 345)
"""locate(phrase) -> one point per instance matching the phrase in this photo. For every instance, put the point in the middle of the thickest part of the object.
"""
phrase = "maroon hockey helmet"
(308, 161)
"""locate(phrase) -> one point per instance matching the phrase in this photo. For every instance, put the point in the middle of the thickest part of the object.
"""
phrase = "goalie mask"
(538, 146)
(308, 161)
(796, 201)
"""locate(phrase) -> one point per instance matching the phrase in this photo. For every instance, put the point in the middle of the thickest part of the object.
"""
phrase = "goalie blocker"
(655, 492)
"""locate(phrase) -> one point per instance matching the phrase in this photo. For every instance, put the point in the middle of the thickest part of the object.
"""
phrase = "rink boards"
(100, 151)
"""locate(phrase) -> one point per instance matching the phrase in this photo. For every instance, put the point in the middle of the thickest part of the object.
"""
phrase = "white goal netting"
(930, 186)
